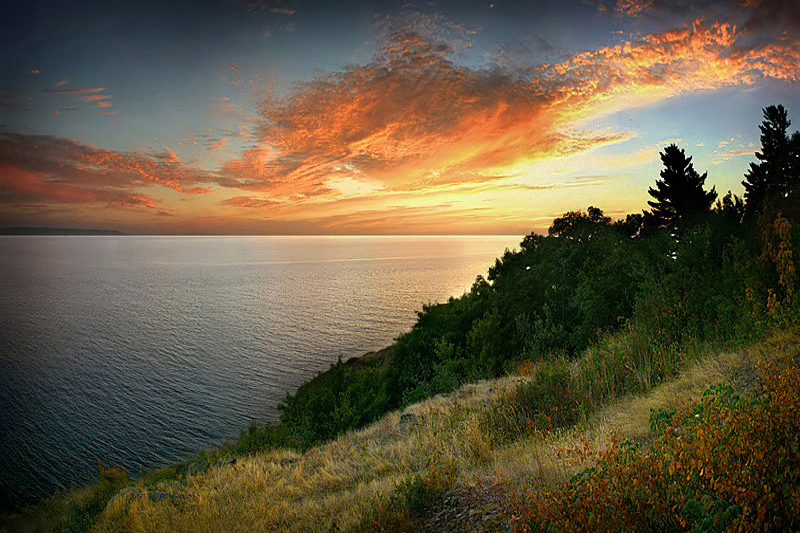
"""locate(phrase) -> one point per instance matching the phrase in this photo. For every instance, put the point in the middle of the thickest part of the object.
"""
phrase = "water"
(139, 351)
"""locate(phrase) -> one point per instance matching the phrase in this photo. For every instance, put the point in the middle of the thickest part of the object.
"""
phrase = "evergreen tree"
(731, 208)
(776, 174)
(679, 195)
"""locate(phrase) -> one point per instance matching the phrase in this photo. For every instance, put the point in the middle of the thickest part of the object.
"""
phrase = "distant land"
(21, 230)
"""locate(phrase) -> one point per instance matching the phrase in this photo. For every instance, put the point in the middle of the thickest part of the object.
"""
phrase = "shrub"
(82, 512)
(725, 462)
(257, 438)
(549, 400)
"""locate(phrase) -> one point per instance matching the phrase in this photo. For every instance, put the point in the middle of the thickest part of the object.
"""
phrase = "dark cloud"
(15, 100)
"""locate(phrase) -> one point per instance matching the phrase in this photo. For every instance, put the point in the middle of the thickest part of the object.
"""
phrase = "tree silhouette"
(776, 174)
(577, 225)
(679, 195)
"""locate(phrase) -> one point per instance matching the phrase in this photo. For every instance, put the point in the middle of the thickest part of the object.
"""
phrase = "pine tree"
(772, 176)
(679, 195)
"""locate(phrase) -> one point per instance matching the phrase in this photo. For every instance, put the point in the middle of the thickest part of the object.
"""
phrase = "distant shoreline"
(21, 230)
(25, 230)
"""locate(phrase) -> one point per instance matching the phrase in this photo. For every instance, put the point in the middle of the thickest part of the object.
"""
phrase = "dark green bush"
(82, 513)
(551, 398)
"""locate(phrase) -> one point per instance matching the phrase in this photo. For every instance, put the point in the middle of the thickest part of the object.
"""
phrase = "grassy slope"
(394, 471)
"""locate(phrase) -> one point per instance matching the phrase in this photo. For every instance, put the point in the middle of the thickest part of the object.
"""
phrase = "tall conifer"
(679, 197)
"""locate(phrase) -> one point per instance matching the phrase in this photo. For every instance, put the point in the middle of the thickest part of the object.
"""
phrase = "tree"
(679, 195)
(731, 208)
(577, 225)
(776, 174)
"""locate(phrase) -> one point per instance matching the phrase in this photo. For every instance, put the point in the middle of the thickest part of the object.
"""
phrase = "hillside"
(639, 349)
(469, 460)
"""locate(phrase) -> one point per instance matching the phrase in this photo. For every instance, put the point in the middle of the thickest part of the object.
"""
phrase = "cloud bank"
(413, 118)
(46, 170)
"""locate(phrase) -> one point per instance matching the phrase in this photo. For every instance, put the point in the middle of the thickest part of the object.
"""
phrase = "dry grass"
(353, 479)
(629, 417)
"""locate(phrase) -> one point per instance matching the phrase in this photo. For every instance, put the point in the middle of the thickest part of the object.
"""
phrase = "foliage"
(725, 462)
(419, 492)
(82, 512)
(773, 181)
(335, 401)
(634, 293)
(679, 197)
(260, 438)
(550, 399)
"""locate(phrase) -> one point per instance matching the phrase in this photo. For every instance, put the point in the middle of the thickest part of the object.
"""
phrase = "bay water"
(140, 351)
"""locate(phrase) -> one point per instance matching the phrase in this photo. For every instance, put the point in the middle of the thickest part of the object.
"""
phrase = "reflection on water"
(139, 351)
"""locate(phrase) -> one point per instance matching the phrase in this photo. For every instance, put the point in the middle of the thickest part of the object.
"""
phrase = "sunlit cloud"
(51, 170)
(413, 118)
(282, 11)
(75, 91)
(93, 95)
(731, 148)
(21, 186)
(633, 8)
(421, 137)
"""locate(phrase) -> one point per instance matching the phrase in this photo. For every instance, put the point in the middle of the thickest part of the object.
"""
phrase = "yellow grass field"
(352, 483)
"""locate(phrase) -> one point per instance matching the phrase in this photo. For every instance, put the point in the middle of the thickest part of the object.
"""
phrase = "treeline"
(694, 268)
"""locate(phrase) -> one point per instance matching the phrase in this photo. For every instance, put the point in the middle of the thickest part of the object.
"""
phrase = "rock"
(408, 420)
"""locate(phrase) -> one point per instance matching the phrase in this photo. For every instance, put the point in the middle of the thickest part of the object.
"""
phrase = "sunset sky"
(319, 117)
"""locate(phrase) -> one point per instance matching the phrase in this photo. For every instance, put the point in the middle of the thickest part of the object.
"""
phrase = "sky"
(318, 117)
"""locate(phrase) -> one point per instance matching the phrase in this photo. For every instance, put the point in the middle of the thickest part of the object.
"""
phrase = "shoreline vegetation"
(642, 374)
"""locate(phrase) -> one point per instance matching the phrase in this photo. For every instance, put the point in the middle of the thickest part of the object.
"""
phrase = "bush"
(550, 400)
(257, 438)
(725, 462)
(82, 512)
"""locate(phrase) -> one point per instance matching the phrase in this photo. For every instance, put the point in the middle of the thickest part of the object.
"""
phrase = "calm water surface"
(139, 351)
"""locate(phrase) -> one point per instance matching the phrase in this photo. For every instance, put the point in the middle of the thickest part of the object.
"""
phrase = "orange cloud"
(413, 118)
(410, 119)
(21, 186)
(633, 8)
(75, 91)
(61, 163)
